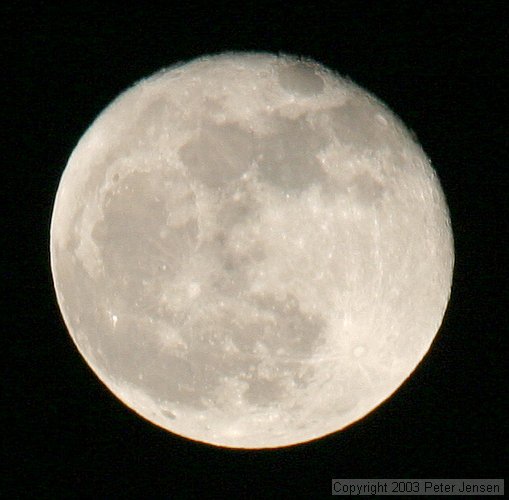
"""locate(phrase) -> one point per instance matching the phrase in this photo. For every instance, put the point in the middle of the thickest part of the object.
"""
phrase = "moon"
(250, 251)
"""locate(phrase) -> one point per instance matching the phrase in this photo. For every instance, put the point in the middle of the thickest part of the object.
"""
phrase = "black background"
(439, 65)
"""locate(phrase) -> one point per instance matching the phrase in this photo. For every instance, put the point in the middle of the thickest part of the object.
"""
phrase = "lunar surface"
(250, 251)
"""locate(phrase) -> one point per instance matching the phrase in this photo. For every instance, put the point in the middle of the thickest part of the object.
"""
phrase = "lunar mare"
(250, 251)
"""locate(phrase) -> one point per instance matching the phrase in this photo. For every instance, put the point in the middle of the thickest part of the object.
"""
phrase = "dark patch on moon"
(366, 189)
(287, 159)
(218, 154)
(154, 116)
(210, 360)
(359, 125)
(299, 78)
(130, 235)
(263, 392)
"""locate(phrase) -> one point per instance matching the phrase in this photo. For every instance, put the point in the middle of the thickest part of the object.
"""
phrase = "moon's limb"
(250, 251)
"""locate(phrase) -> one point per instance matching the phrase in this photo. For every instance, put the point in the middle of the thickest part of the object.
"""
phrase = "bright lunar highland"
(250, 251)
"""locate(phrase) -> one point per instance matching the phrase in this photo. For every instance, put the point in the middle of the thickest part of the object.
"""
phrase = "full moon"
(250, 251)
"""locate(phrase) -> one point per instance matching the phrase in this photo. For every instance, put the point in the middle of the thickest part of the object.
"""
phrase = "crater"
(169, 414)
(300, 78)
